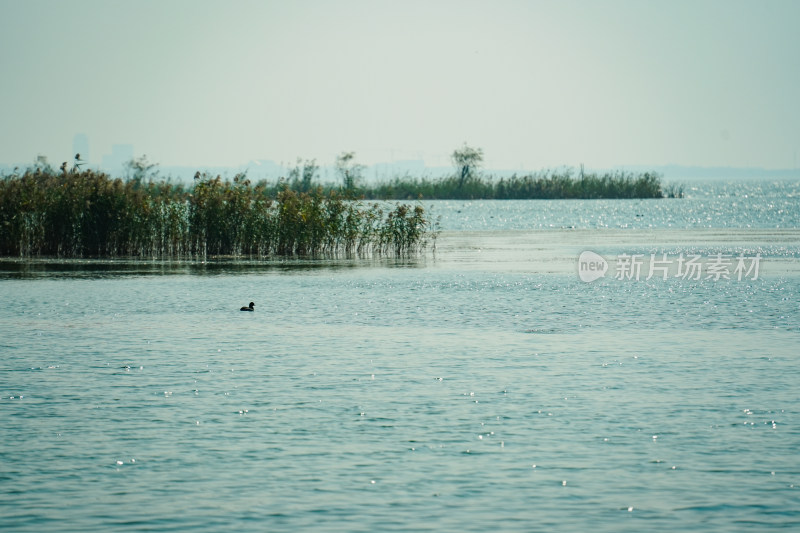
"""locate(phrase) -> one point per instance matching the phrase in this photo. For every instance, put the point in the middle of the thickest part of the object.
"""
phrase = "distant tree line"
(548, 185)
(468, 183)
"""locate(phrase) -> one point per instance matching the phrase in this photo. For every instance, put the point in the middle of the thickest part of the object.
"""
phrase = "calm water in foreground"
(480, 387)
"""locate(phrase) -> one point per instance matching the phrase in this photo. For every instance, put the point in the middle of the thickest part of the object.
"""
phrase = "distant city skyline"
(115, 164)
(122, 153)
(535, 84)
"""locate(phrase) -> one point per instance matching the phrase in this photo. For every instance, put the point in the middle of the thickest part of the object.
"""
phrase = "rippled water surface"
(707, 204)
(481, 387)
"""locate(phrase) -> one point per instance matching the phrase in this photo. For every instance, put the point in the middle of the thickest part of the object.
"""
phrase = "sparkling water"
(480, 387)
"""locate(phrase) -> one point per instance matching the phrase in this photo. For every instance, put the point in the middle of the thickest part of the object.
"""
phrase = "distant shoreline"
(382, 172)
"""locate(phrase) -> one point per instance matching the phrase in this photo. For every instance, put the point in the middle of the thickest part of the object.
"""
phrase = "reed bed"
(562, 184)
(78, 214)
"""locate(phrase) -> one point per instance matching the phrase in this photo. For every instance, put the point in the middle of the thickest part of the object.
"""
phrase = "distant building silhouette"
(114, 163)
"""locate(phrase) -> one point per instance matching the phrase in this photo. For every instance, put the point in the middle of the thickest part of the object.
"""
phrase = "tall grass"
(544, 185)
(564, 183)
(77, 214)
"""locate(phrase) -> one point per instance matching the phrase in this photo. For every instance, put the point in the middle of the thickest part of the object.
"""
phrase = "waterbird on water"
(250, 307)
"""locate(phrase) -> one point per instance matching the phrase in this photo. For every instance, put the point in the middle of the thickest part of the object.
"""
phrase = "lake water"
(482, 386)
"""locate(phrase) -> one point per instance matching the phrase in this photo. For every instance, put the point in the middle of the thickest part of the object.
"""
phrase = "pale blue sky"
(534, 83)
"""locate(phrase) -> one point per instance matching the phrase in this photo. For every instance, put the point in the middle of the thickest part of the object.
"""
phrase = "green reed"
(89, 214)
(561, 184)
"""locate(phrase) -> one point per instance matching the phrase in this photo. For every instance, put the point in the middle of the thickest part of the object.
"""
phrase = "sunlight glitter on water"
(471, 391)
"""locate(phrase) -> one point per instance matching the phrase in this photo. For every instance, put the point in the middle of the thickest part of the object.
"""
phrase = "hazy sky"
(533, 83)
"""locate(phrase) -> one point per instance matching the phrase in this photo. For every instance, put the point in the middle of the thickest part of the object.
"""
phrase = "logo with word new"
(693, 267)
(591, 266)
